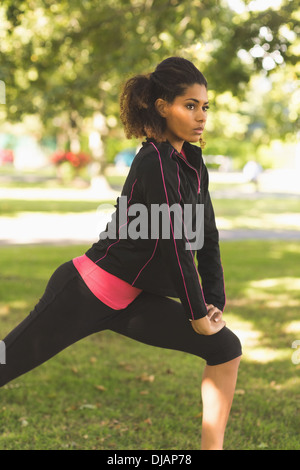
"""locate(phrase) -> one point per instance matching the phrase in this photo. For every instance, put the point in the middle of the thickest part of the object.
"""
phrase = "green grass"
(109, 392)
(262, 213)
(12, 207)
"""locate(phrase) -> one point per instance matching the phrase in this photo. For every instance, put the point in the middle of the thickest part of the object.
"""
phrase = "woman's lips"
(199, 130)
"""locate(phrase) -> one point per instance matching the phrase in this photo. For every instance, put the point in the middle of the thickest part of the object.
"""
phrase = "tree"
(65, 61)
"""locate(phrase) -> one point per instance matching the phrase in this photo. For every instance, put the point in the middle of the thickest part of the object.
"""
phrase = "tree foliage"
(68, 59)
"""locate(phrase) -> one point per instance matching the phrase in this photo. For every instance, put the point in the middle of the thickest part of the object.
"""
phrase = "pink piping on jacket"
(180, 267)
(119, 227)
(146, 262)
(119, 240)
(184, 155)
(191, 252)
(103, 284)
(198, 178)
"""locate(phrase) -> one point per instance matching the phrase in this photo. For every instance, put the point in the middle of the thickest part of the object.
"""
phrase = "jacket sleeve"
(208, 257)
(161, 186)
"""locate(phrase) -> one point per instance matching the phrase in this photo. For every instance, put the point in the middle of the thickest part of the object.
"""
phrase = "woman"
(125, 280)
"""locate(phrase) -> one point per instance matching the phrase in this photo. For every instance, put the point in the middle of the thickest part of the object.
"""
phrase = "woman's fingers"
(214, 313)
(209, 307)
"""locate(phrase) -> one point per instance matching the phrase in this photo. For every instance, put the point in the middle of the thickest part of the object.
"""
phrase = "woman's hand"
(214, 313)
(210, 324)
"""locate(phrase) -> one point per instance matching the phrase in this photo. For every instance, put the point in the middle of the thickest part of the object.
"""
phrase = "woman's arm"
(208, 257)
(160, 181)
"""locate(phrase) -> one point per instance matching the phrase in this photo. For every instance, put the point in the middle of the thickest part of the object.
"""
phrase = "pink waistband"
(108, 288)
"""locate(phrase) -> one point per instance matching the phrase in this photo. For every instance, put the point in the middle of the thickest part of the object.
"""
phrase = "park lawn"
(109, 392)
(13, 207)
(264, 213)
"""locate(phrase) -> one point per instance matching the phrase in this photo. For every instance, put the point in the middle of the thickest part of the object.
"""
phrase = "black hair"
(170, 79)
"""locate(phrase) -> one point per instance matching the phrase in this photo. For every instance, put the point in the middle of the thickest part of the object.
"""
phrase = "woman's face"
(186, 116)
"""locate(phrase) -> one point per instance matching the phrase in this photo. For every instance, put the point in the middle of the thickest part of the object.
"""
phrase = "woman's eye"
(205, 108)
(190, 106)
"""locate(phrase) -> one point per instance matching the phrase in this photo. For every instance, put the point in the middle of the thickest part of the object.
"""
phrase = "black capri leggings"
(68, 312)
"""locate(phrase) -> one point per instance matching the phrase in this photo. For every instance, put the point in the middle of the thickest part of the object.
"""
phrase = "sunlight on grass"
(29, 227)
(293, 327)
(274, 292)
(289, 384)
(224, 223)
(283, 283)
(244, 329)
(267, 355)
(251, 340)
(5, 308)
(287, 221)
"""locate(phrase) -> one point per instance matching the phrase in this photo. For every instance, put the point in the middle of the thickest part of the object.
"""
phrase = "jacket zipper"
(188, 164)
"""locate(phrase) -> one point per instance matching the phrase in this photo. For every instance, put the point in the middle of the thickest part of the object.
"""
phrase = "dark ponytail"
(137, 102)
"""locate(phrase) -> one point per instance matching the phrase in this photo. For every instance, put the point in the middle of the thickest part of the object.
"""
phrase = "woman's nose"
(201, 116)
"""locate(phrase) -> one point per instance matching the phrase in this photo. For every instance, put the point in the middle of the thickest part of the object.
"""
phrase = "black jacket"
(167, 266)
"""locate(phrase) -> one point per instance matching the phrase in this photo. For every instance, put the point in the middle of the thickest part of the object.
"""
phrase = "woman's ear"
(161, 107)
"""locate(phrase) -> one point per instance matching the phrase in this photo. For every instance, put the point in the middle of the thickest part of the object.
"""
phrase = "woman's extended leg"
(218, 386)
(67, 312)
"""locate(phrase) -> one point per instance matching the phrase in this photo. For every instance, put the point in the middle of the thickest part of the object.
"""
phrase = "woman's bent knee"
(227, 347)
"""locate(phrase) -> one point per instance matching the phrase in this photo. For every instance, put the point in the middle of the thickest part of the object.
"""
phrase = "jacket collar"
(193, 153)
